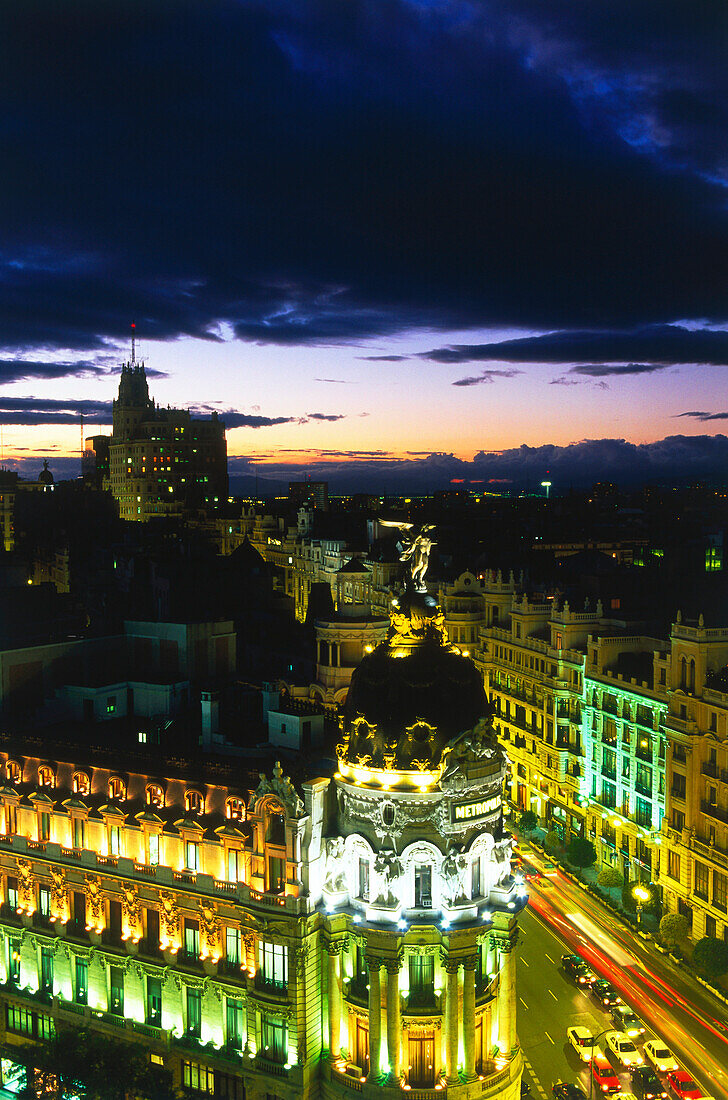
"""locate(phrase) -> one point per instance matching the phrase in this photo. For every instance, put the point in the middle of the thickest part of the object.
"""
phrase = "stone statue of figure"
(415, 549)
(389, 870)
(335, 877)
(453, 869)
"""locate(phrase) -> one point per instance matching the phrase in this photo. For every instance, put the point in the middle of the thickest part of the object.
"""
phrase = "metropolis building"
(159, 462)
(352, 932)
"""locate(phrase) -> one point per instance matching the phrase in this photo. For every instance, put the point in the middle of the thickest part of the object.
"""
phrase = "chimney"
(210, 709)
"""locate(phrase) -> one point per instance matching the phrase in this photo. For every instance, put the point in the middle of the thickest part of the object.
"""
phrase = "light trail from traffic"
(562, 909)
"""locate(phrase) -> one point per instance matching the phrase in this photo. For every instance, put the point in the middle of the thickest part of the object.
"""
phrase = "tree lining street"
(562, 918)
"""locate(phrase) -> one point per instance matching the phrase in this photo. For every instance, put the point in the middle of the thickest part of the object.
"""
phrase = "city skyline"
(412, 245)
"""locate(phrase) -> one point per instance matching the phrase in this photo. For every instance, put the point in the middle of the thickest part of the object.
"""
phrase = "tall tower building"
(162, 462)
(421, 906)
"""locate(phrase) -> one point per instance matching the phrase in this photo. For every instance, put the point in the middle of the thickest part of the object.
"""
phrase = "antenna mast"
(81, 444)
(133, 334)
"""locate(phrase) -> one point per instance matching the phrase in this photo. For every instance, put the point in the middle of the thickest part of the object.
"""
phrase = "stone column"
(450, 967)
(469, 964)
(334, 950)
(375, 1017)
(507, 996)
(394, 1020)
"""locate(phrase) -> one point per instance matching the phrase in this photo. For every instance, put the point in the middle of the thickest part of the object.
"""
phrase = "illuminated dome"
(413, 696)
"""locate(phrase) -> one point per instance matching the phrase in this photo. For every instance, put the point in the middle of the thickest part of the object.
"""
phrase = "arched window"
(691, 682)
(13, 772)
(155, 796)
(81, 783)
(236, 809)
(46, 778)
(194, 802)
(116, 788)
(683, 673)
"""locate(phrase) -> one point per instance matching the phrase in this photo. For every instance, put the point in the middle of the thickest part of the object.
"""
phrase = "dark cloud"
(322, 172)
(383, 358)
(338, 381)
(35, 410)
(486, 376)
(18, 370)
(604, 370)
(673, 460)
(703, 416)
(657, 346)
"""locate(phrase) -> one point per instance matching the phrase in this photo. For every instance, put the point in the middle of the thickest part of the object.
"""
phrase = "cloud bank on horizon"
(318, 174)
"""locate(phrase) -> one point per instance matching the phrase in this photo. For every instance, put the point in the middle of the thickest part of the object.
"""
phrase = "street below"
(561, 919)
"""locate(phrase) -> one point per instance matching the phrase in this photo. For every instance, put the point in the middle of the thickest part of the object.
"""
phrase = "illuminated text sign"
(471, 811)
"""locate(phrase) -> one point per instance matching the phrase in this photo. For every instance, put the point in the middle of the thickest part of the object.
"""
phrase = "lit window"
(80, 783)
(45, 776)
(236, 809)
(155, 796)
(116, 787)
(192, 855)
(13, 771)
(273, 965)
(194, 802)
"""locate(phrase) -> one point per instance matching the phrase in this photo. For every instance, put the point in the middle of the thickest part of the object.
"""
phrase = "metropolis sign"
(473, 811)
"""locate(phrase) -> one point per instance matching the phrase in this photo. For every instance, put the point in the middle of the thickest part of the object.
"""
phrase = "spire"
(133, 350)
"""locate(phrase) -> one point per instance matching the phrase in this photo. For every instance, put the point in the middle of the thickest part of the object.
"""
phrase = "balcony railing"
(267, 985)
(714, 811)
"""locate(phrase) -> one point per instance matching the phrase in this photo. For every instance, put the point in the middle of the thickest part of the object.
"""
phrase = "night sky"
(393, 243)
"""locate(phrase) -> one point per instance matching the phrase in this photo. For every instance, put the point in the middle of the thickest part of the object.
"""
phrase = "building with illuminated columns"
(260, 937)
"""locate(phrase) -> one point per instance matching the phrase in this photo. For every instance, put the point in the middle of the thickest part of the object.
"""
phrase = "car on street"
(575, 967)
(603, 1075)
(549, 868)
(530, 873)
(564, 1091)
(582, 1040)
(661, 1056)
(684, 1086)
(646, 1084)
(625, 1020)
(623, 1049)
(605, 993)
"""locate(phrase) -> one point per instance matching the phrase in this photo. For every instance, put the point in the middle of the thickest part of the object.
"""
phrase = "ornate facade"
(346, 933)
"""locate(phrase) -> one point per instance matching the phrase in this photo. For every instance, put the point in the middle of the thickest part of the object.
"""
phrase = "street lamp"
(547, 486)
(641, 895)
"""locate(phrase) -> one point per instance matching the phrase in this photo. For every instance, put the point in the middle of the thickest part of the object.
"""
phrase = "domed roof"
(413, 695)
(45, 477)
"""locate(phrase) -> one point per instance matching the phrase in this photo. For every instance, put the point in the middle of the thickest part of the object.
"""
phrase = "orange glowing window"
(155, 796)
(116, 787)
(81, 783)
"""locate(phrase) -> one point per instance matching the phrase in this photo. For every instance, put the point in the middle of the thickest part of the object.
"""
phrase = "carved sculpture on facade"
(210, 932)
(94, 902)
(454, 868)
(59, 893)
(169, 917)
(335, 880)
(131, 910)
(389, 871)
(281, 786)
(26, 899)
